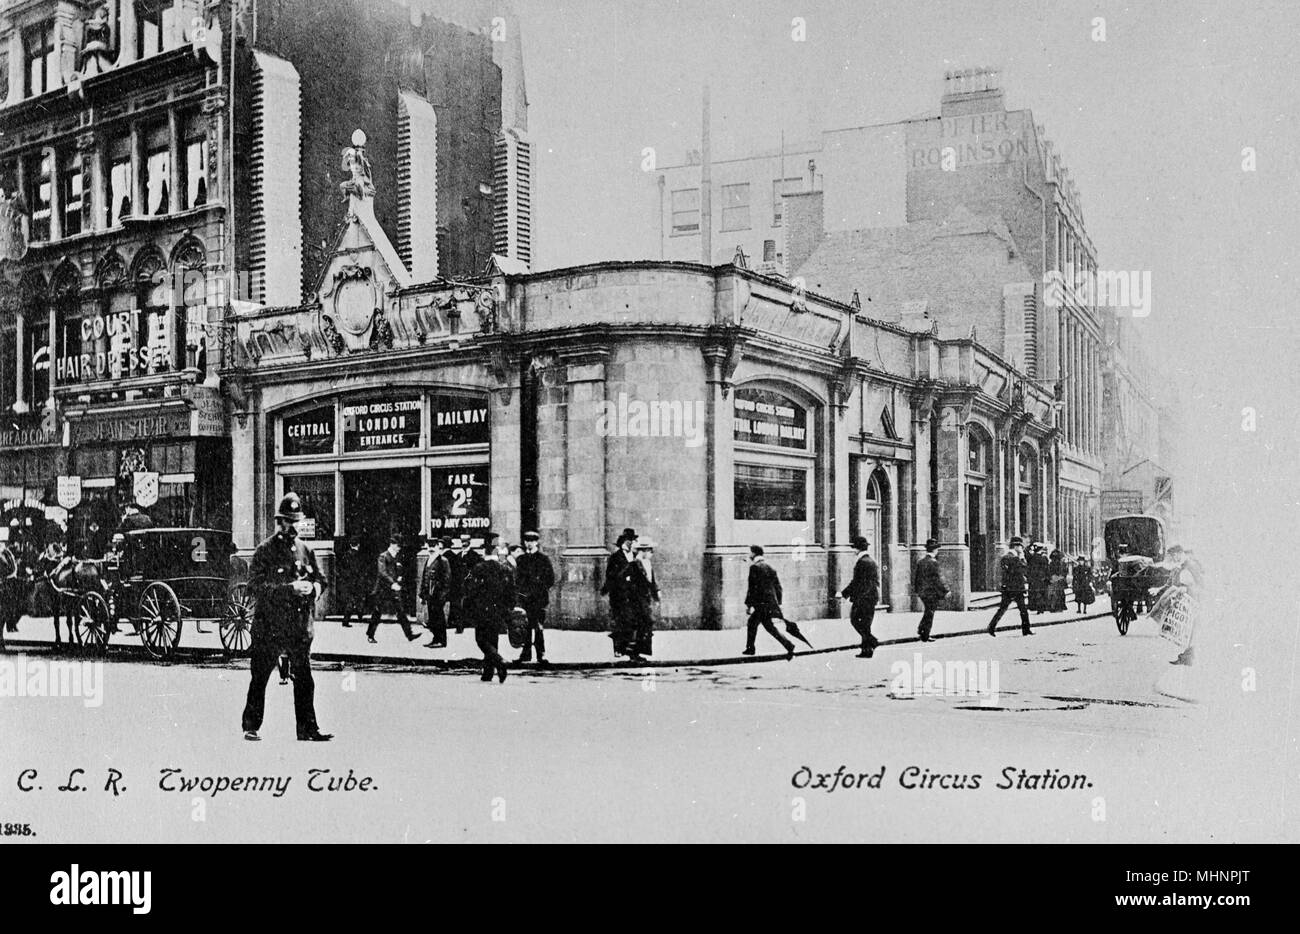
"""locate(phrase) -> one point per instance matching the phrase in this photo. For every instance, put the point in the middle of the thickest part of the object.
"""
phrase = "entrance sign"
(387, 424)
(69, 491)
(145, 487)
(458, 419)
(460, 499)
(307, 433)
(769, 418)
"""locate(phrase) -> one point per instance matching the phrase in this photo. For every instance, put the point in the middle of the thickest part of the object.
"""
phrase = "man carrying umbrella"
(763, 602)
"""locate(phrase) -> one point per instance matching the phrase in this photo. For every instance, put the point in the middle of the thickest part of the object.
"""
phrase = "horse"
(66, 579)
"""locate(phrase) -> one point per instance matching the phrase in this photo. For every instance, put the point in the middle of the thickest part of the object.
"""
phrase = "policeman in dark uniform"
(285, 582)
(1015, 577)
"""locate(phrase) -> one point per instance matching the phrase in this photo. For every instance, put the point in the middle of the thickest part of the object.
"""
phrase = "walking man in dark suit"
(285, 582)
(1014, 573)
(927, 583)
(489, 597)
(435, 584)
(387, 593)
(534, 577)
(863, 593)
(763, 602)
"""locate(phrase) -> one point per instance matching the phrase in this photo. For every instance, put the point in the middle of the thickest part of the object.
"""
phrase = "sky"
(1152, 123)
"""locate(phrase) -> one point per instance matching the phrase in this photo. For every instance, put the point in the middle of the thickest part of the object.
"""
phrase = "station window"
(316, 491)
(771, 494)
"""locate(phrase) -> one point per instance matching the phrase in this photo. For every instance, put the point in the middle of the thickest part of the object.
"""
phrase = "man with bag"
(927, 583)
(285, 582)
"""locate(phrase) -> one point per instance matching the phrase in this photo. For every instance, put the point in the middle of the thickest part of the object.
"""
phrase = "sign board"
(119, 344)
(307, 433)
(27, 437)
(68, 491)
(1120, 503)
(1177, 618)
(460, 499)
(168, 423)
(307, 528)
(769, 418)
(389, 423)
(145, 487)
(208, 420)
(458, 419)
(966, 140)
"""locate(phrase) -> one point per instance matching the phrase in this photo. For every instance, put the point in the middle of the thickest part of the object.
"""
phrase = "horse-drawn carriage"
(1135, 546)
(157, 580)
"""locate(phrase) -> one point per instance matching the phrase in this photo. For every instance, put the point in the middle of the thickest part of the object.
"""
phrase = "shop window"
(773, 494)
(38, 51)
(70, 194)
(686, 211)
(175, 506)
(317, 494)
(735, 207)
(40, 175)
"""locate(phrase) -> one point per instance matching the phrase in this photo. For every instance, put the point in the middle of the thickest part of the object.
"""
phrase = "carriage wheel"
(91, 621)
(159, 622)
(236, 626)
(1124, 617)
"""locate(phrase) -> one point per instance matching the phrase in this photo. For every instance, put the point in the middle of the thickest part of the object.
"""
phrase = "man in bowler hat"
(435, 584)
(863, 592)
(1014, 573)
(534, 577)
(618, 587)
(763, 601)
(387, 593)
(285, 582)
(489, 597)
(927, 583)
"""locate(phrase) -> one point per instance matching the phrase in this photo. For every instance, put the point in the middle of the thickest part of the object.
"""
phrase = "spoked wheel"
(1124, 617)
(159, 621)
(236, 626)
(91, 621)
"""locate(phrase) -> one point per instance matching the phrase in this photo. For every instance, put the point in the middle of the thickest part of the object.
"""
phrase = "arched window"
(774, 457)
(189, 275)
(65, 290)
(1026, 490)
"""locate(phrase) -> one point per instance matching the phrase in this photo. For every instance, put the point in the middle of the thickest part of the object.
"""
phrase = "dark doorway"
(976, 537)
(378, 504)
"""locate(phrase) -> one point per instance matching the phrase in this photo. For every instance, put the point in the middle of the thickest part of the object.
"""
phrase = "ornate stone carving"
(96, 44)
(361, 184)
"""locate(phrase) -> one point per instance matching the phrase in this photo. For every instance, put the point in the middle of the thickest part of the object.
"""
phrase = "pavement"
(585, 649)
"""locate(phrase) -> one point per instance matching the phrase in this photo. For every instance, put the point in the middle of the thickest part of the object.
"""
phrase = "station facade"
(709, 408)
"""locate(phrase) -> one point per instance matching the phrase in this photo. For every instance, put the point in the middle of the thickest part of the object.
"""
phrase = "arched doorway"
(873, 520)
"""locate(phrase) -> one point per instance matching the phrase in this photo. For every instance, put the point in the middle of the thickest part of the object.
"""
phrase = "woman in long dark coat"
(1082, 584)
(642, 592)
(1037, 575)
(1056, 572)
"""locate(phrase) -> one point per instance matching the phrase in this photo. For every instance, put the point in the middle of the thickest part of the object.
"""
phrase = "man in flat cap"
(927, 583)
(863, 592)
(285, 582)
(435, 584)
(534, 577)
(1015, 577)
(387, 593)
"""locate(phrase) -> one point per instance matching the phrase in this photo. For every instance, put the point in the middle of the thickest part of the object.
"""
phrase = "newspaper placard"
(1177, 618)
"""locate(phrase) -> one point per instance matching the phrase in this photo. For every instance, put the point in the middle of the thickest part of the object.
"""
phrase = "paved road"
(667, 754)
